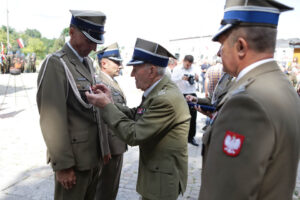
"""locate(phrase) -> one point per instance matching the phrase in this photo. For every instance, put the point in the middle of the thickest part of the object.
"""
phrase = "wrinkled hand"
(208, 114)
(106, 158)
(101, 96)
(66, 177)
(191, 98)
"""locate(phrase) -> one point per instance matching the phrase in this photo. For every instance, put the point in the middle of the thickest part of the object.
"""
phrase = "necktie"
(86, 64)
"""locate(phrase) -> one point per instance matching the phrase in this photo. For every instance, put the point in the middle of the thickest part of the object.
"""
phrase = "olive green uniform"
(110, 173)
(160, 127)
(71, 130)
(263, 110)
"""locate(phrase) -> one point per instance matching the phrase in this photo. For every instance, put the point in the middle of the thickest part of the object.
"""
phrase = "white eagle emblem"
(232, 143)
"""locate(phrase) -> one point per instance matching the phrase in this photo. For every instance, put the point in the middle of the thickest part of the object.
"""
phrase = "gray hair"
(260, 39)
(160, 70)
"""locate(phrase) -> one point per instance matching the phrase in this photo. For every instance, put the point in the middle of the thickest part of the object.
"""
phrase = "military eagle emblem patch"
(233, 143)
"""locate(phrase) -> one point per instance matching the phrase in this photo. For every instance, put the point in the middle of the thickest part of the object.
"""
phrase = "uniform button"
(74, 140)
(54, 164)
(157, 168)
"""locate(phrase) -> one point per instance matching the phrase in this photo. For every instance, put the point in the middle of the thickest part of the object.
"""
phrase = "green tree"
(37, 46)
(33, 33)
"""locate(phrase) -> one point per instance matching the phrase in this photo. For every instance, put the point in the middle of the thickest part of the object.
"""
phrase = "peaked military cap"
(111, 52)
(149, 52)
(90, 23)
(250, 13)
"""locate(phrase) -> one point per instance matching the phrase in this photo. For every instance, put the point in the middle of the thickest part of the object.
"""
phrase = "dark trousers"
(193, 112)
(84, 189)
(109, 179)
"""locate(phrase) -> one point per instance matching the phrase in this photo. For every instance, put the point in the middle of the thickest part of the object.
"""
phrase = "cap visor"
(115, 59)
(92, 39)
(222, 30)
(135, 62)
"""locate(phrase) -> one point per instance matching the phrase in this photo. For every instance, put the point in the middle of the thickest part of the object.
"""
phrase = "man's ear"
(71, 31)
(242, 47)
(103, 63)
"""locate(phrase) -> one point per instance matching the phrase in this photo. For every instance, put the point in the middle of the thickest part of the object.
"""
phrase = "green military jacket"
(116, 145)
(160, 127)
(70, 130)
(251, 150)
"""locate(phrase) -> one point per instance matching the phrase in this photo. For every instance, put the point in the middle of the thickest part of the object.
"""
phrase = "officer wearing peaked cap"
(69, 124)
(159, 125)
(110, 63)
(251, 150)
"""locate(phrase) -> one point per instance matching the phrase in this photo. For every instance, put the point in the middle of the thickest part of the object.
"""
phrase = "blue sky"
(157, 20)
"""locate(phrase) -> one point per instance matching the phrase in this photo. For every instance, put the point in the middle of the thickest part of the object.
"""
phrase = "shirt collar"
(75, 52)
(147, 92)
(252, 66)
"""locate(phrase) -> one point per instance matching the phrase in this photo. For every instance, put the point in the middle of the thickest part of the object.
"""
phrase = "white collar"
(147, 92)
(252, 66)
(75, 52)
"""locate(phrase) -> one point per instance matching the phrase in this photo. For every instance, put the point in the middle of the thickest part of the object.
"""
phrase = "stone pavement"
(24, 174)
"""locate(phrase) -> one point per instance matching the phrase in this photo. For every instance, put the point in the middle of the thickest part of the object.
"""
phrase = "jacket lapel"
(248, 79)
(78, 66)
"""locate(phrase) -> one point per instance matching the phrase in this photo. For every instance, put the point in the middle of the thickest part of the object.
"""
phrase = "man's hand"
(101, 96)
(66, 177)
(191, 98)
(208, 114)
(106, 158)
(185, 77)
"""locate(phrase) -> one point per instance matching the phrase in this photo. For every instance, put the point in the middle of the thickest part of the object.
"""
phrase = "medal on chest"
(140, 111)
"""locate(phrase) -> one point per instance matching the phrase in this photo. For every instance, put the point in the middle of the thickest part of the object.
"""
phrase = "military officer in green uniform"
(159, 125)
(110, 63)
(251, 149)
(69, 124)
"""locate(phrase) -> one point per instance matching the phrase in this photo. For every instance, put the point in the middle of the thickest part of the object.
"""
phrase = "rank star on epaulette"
(233, 143)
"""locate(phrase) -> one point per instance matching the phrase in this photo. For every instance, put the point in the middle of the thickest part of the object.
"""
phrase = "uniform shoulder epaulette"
(59, 54)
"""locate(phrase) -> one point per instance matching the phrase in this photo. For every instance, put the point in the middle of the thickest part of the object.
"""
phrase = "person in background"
(171, 65)
(186, 77)
(204, 68)
(110, 63)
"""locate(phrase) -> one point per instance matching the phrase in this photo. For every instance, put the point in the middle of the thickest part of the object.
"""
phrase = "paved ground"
(24, 174)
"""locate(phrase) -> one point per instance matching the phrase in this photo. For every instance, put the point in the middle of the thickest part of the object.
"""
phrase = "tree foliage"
(33, 41)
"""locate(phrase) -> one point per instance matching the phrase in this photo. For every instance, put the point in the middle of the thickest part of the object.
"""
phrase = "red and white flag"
(2, 48)
(20, 42)
(2, 51)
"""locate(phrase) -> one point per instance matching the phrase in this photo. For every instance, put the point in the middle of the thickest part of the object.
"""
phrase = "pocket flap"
(78, 138)
(162, 167)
